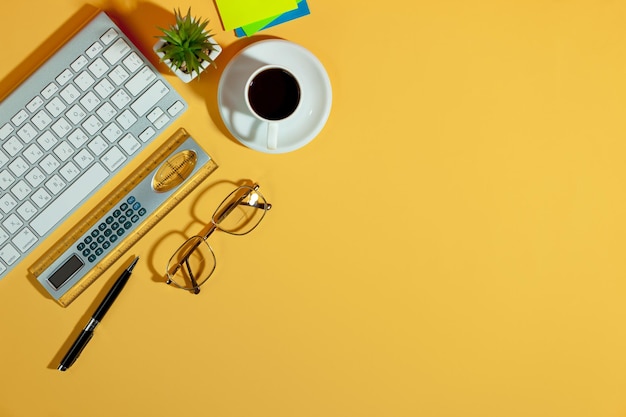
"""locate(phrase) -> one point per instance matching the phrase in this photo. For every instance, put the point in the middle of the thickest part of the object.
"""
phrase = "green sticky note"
(236, 13)
(256, 26)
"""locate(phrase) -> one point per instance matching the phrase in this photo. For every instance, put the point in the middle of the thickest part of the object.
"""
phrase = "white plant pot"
(185, 77)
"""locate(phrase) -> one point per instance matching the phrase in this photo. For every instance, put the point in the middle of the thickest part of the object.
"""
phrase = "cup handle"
(272, 135)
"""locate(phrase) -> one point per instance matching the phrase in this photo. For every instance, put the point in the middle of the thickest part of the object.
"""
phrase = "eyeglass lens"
(192, 264)
(239, 213)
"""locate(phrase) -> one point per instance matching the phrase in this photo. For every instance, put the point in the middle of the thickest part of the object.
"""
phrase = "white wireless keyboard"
(67, 129)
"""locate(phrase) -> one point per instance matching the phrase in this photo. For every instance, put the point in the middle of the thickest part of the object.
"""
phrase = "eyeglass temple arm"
(185, 262)
(194, 282)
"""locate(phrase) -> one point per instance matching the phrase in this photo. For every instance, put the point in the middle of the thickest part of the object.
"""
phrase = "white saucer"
(302, 126)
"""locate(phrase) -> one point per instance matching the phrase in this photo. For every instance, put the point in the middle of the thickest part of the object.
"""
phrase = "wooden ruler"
(112, 200)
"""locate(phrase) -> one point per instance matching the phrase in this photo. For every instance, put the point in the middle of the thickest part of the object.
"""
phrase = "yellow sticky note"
(236, 13)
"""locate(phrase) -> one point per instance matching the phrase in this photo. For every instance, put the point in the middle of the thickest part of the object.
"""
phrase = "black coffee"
(274, 94)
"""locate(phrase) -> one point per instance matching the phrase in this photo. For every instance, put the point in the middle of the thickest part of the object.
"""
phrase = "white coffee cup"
(272, 95)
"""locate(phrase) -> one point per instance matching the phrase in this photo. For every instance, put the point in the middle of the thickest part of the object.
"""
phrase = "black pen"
(87, 333)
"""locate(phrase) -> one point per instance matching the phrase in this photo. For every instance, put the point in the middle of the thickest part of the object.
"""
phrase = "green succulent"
(187, 44)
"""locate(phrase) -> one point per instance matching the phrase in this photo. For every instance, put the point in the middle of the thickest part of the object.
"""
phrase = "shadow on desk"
(86, 316)
(43, 51)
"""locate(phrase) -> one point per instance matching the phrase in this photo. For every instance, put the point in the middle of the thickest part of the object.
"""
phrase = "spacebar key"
(69, 199)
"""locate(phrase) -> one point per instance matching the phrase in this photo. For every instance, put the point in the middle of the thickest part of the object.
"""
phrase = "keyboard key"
(18, 166)
(47, 140)
(49, 90)
(63, 151)
(129, 144)
(55, 185)
(108, 36)
(98, 68)
(140, 81)
(27, 210)
(73, 195)
(147, 134)
(78, 138)
(55, 107)
(41, 120)
(70, 94)
(126, 119)
(9, 254)
(118, 75)
(104, 88)
(24, 239)
(120, 99)
(84, 158)
(12, 224)
(6, 179)
(64, 77)
(147, 100)
(27, 133)
(49, 164)
(92, 125)
(19, 118)
(116, 51)
(84, 81)
(21, 190)
(94, 49)
(34, 104)
(5, 131)
(161, 121)
(132, 62)
(13, 145)
(106, 112)
(112, 132)
(69, 171)
(175, 108)
(41, 197)
(33, 153)
(3, 159)
(61, 127)
(90, 101)
(154, 115)
(35, 177)
(4, 236)
(98, 145)
(79, 63)
(113, 158)
(76, 114)
(7, 203)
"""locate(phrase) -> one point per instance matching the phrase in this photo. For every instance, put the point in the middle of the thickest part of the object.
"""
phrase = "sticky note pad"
(236, 13)
(248, 30)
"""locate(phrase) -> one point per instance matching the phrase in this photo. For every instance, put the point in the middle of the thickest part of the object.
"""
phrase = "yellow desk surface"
(451, 244)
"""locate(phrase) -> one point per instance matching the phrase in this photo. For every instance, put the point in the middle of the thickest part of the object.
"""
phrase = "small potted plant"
(187, 47)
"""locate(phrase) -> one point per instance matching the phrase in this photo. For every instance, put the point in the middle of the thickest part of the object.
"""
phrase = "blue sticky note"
(301, 10)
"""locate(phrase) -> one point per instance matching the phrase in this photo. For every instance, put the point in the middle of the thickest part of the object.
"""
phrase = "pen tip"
(130, 268)
(62, 368)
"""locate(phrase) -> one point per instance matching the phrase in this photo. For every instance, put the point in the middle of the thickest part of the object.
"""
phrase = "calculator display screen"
(66, 271)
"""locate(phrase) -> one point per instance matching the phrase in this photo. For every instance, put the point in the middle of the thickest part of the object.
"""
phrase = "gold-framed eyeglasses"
(194, 261)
